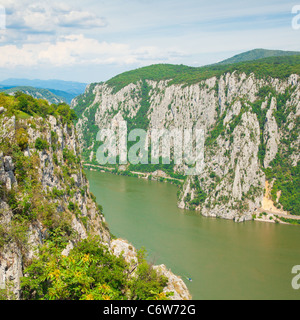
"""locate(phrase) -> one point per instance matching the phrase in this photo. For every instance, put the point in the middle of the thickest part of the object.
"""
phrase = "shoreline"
(159, 176)
(260, 215)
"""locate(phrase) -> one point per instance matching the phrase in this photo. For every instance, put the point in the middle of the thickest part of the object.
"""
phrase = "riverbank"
(158, 175)
(261, 215)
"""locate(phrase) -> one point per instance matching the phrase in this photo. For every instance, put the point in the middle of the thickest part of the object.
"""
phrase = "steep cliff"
(250, 119)
(42, 188)
(45, 202)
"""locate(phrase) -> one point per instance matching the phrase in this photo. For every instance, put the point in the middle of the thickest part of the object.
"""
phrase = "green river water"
(226, 260)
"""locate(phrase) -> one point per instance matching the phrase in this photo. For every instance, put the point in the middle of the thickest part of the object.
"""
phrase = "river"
(226, 260)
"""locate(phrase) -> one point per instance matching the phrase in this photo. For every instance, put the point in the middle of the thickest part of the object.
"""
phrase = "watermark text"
(296, 18)
(184, 147)
(296, 279)
(2, 18)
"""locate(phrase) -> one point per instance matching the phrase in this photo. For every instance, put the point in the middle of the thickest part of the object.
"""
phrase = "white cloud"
(57, 35)
(45, 17)
(81, 19)
(79, 50)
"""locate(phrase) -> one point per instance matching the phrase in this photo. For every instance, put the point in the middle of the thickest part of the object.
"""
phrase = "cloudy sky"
(93, 40)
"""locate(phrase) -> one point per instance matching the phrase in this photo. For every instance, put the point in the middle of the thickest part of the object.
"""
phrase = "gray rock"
(8, 164)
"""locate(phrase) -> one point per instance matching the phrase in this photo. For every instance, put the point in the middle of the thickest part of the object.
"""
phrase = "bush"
(90, 272)
(70, 157)
(22, 138)
(57, 193)
(41, 144)
(71, 206)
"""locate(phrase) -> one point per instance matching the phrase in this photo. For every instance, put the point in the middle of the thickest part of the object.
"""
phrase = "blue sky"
(91, 41)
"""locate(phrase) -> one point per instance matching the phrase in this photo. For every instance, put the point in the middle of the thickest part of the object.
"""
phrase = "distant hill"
(257, 54)
(37, 94)
(5, 87)
(68, 97)
(71, 87)
(275, 66)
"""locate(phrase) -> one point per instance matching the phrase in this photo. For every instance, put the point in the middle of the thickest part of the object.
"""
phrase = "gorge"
(250, 115)
(55, 242)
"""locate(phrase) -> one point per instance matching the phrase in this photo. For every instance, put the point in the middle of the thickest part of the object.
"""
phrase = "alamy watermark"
(296, 279)
(296, 19)
(185, 147)
(2, 18)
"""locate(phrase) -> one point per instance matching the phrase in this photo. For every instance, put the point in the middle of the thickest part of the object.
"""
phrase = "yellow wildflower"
(55, 274)
(161, 296)
(86, 258)
(105, 287)
(89, 297)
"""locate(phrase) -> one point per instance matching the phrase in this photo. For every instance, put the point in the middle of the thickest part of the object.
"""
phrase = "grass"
(24, 116)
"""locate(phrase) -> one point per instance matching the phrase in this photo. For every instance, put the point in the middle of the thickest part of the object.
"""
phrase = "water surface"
(252, 260)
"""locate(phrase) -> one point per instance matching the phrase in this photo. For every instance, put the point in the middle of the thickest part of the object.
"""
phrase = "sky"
(94, 40)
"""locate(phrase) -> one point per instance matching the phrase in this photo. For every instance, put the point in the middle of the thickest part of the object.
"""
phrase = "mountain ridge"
(257, 54)
(276, 67)
(71, 87)
(37, 93)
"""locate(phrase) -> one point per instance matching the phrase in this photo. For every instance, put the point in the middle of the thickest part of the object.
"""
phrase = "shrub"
(57, 193)
(41, 144)
(90, 272)
(22, 138)
(71, 206)
(70, 157)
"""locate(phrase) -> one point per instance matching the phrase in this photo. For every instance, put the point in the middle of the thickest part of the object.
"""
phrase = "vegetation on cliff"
(24, 106)
(47, 192)
(89, 272)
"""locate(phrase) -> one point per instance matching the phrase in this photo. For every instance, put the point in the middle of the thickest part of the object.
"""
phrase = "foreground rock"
(175, 283)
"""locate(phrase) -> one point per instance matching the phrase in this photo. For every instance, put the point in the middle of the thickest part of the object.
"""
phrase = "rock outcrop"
(175, 284)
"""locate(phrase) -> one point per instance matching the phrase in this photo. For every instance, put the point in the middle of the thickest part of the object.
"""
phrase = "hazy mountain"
(71, 87)
(37, 94)
(68, 97)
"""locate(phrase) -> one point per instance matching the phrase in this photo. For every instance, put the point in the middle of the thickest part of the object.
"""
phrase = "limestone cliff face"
(241, 119)
(60, 184)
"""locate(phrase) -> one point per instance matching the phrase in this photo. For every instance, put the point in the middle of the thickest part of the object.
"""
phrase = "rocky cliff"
(251, 126)
(45, 188)
(44, 194)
